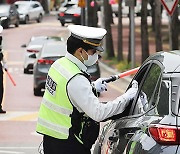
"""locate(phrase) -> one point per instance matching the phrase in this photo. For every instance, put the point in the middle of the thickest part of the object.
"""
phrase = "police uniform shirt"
(80, 93)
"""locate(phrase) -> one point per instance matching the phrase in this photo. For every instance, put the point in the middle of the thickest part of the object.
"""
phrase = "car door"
(149, 78)
(36, 10)
(32, 12)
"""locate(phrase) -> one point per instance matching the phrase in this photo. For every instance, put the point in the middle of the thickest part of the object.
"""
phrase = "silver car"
(34, 46)
(30, 10)
(50, 52)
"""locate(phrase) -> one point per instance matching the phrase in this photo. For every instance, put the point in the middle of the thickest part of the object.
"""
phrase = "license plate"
(68, 20)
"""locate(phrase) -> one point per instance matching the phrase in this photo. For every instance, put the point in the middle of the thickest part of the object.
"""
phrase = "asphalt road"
(17, 127)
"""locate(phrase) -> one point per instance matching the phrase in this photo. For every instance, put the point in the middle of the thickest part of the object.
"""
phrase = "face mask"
(91, 59)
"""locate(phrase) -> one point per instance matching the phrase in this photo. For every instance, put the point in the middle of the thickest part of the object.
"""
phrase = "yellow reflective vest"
(54, 115)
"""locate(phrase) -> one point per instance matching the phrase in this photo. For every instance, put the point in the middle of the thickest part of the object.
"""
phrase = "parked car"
(50, 52)
(34, 46)
(151, 122)
(8, 15)
(30, 10)
(69, 13)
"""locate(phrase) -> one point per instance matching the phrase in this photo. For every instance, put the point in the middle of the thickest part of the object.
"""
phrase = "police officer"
(70, 112)
(1, 73)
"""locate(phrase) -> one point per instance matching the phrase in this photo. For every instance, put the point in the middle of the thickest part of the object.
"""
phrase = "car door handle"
(129, 135)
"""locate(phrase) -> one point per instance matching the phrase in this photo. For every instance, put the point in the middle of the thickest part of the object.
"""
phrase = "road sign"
(170, 5)
(81, 3)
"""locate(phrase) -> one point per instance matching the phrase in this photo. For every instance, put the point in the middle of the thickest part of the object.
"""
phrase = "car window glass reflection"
(149, 90)
(163, 100)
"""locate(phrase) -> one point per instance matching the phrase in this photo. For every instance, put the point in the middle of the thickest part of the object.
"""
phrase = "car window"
(35, 6)
(148, 90)
(163, 100)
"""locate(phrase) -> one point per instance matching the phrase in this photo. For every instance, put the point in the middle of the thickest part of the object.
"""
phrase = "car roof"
(5, 5)
(53, 49)
(170, 60)
(40, 40)
(26, 2)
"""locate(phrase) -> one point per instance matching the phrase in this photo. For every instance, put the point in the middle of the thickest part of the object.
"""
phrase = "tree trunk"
(109, 8)
(92, 14)
(108, 38)
(45, 5)
(158, 35)
(175, 28)
(152, 3)
(144, 31)
(120, 33)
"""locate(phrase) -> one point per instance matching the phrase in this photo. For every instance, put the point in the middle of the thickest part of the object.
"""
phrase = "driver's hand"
(131, 92)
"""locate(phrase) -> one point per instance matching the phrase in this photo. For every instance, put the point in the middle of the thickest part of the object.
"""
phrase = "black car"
(151, 122)
(70, 14)
(9, 15)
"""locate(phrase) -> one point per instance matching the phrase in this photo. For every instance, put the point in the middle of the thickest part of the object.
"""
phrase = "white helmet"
(1, 29)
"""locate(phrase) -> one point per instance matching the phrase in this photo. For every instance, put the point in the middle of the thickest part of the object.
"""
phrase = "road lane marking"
(10, 152)
(14, 63)
(18, 148)
(116, 88)
(19, 116)
(28, 117)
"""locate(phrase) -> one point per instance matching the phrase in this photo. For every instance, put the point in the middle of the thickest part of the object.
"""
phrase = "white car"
(29, 10)
(34, 46)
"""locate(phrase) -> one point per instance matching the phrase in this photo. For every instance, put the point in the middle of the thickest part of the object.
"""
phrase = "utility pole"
(132, 4)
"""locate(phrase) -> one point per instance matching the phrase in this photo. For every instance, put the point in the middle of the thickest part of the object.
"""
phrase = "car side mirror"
(32, 56)
(23, 46)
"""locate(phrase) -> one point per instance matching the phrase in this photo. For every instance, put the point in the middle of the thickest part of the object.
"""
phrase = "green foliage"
(118, 65)
(123, 65)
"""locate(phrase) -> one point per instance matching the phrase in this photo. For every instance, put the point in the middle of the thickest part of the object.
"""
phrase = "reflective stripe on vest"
(55, 110)
(52, 126)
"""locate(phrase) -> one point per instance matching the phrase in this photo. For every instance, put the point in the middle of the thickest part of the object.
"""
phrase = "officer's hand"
(5, 67)
(131, 92)
(1, 55)
(100, 85)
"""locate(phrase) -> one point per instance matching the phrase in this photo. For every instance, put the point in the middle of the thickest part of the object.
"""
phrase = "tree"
(152, 3)
(109, 42)
(158, 35)
(45, 5)
(120, 34)
(92, 18)
(175, 30)
(144, 31)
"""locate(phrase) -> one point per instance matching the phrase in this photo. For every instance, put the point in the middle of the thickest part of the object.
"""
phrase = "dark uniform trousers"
(69, 146)
(1, 85)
